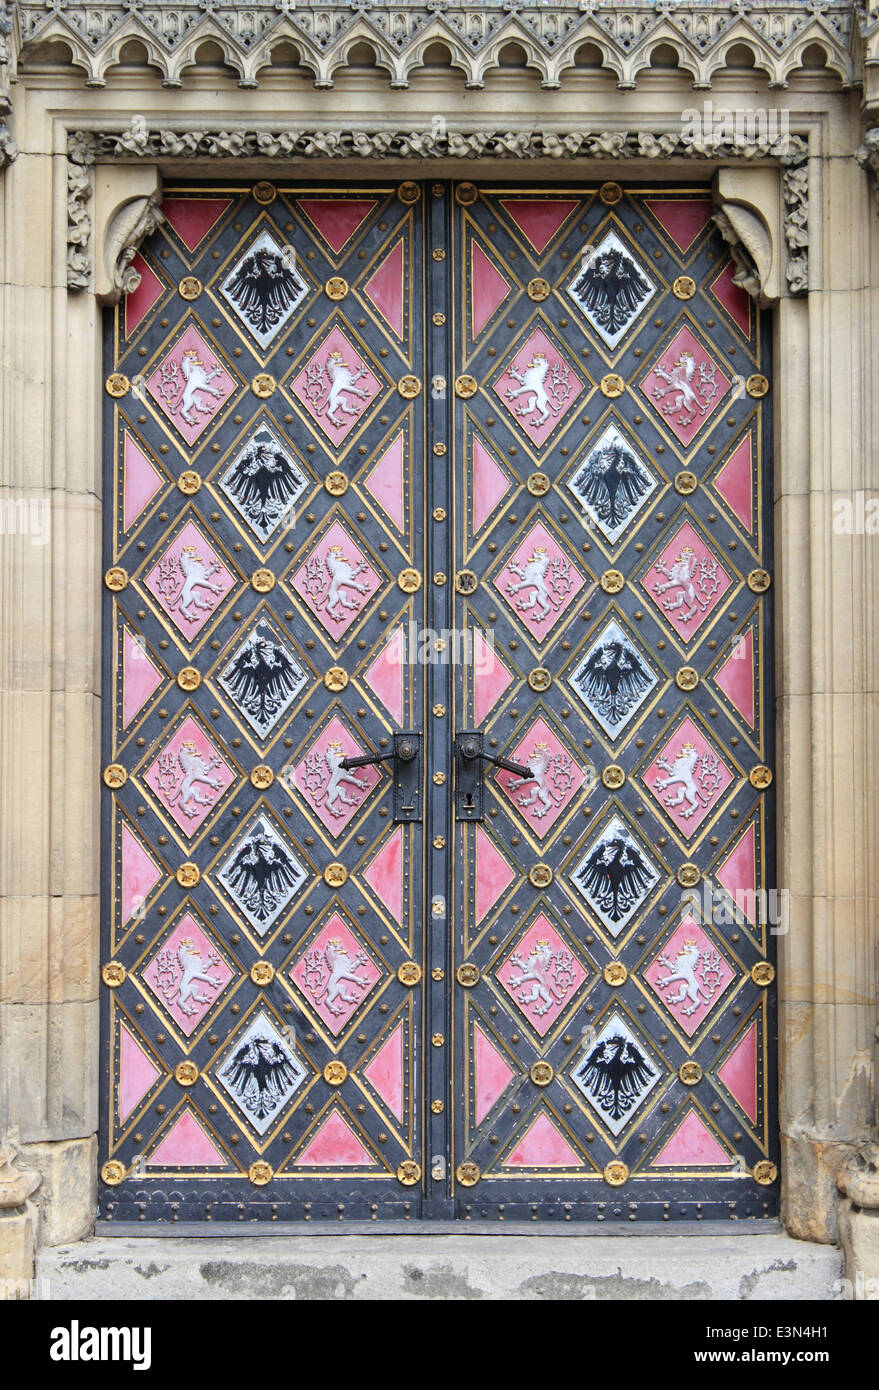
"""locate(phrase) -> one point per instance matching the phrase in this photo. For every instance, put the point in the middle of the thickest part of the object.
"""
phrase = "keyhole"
(469, 802)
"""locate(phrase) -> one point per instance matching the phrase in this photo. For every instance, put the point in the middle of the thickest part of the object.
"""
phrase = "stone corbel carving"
(867, 156)
(749, 219)
(859, 1179)
(126, 212)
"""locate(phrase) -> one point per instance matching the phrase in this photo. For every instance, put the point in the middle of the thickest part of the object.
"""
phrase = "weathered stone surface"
(67, 1196)
(17, 1243)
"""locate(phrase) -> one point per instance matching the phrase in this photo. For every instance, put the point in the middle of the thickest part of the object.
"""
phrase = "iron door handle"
(406, 757)
(469, 782)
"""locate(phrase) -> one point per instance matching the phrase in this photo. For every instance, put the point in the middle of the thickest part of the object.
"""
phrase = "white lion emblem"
(545, 767)
(195, 382)
(546, 592)
(328, 970)
(682, 774)
(538, 400)
(327, 580)
(680, 394)
(683, 971)
(179, 775)
(548, 973)
(186, 575)
(330, 395)
(326, 779)
(180, 988)
(682, 576)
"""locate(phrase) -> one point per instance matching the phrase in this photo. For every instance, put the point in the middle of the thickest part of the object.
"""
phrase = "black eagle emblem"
(263, 482)
(612, 482)
(615, 876)
(263, 288)
(262, 679)
(261, 876)
(613, 678)
(615, 1075)
(261, 1074)
(611, 288)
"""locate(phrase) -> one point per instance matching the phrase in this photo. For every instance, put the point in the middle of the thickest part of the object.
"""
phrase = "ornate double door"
(437, 742)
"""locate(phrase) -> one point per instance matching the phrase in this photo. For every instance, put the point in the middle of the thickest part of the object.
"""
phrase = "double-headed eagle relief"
(265, 287)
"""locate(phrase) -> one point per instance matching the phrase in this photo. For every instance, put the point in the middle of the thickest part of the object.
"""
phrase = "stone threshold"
(508, 1266)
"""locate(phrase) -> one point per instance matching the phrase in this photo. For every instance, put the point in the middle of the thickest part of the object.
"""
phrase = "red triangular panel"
(490, 485)
(542, 1146)
(193, 218)
(140, 481)
(385, 1073)
(737, 873)
(386, 289)
(337, 219)
(739, 1073)
(736, 676)
(692, 1142)
(735, 483)
(538, 218)
(385, 875)
(488, 288)
(736, 301)
(493, 875)
(490, 677)
(335, 1145)
(186, 1145)
(140, 677)
(385, 481)
(139, 302)
(682, 218)
(140, 874)
(136, 1074)
(384, 675)
(492, 1074)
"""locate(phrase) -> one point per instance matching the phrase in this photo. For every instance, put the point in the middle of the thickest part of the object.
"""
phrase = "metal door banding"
(437, 749)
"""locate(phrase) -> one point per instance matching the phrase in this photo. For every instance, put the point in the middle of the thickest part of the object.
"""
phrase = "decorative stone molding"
(139, 141)
(867, 156)
(126, 211)
(701, 31)
(751, 221)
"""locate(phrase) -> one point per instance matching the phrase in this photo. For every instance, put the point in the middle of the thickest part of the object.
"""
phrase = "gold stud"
(539, 289)
(466, 194)
(336, 287)
(538, 484)
(113, 1172)
(409, 973)
(685, 483)
(262, 777)
(264, 192)
(757, 385)
(616, 1173)
(438, 253)
(615, 973)
(114, 775)
(466, 386)
(684, 287)
(408, 192)
(439, 579)
(437, 1106)
(409, 580)
(409, 1172)
(437, 1040)
(612, 581)
(439, 320)
(263, 385)
(188, 875)
(610, 193)
(687, 678)
(612, 385)
(336, 483)
(760, 777)
(186, 1073)
(759, 581)
(440, 450)
(188, 678)
(262, 580)
(690, 1073)
(466, 582)
(262, 972)
(688, 875)
(439, 779)
(117, 385)
(540, 876)
(116, 579)
(540, 678)
(189, 482)
(613, 777)
(335, 875)
(763, 973)
(438, 713)
(541, 1073)
(335, 679)
(468, 1174)
(190, 287)
(409, 386)
(260, 1173)
(467, 974)
(113, 974)
(335, 1073)
(765, 1172)
(439, 513)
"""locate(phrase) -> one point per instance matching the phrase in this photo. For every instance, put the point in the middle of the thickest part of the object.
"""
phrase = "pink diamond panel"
(334, 794)
(336, 581)
(189, 776)
(541, 975)
(554, 782)
(191, 385)
(687, 778)
(539, 582)
(689, 975)
(686, 386)
(186, 975)
(189, 582)
(334, 975)
(686, 582)
(336, 387)
(539, 387)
